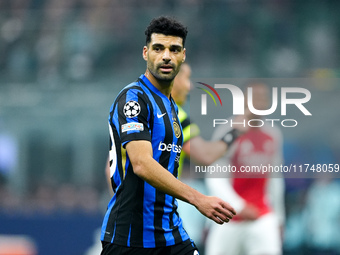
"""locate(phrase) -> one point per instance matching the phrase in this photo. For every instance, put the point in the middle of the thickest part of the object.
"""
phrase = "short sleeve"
(133, 115)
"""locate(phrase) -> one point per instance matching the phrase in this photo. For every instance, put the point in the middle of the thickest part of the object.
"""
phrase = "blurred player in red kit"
(258, 198)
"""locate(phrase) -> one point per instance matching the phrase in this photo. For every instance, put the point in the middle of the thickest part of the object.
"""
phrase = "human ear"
(184, 55)
(145, 51)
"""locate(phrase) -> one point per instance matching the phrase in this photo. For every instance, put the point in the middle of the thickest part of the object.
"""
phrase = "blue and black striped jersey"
(139, 215)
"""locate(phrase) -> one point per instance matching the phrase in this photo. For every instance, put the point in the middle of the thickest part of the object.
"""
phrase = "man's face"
(164, 56)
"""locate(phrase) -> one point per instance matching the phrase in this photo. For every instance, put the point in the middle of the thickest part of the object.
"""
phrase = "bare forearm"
(148, 169)
(212, 207)
(163, 180)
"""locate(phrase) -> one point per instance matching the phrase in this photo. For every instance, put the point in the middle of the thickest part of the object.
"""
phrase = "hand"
(215, 209)
(249, 212)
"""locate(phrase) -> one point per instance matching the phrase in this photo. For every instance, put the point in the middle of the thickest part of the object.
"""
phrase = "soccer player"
(146, 142)
(257, 198)
(200, 151)
(194, 146)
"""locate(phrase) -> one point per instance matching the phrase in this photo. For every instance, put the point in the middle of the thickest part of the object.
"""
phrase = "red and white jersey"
(257, 147)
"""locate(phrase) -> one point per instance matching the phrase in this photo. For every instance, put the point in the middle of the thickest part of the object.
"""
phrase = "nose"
(166, 55)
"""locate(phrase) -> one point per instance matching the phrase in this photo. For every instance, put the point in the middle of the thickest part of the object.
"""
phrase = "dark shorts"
(187, 247)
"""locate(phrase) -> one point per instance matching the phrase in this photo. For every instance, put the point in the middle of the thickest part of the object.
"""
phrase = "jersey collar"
(153, 88)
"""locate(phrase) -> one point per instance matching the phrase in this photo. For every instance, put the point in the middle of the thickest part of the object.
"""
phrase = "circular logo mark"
(177, 130)
(131, 109)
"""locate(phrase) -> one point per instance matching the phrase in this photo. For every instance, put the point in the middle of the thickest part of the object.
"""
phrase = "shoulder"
(133, 88)
(133, 92)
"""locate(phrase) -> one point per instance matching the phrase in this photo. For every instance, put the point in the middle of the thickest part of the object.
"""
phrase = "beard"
(160, 75)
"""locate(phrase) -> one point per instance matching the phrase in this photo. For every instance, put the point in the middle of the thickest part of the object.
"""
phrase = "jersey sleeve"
(133, 112)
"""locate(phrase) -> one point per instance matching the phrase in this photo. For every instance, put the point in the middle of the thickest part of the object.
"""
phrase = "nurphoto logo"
(295, 96)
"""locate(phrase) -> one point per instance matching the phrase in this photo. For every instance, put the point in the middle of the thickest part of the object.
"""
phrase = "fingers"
(216, 209)
(218, 220)
(226, 210)
(223, 213)
(221, 218)
(228, 207)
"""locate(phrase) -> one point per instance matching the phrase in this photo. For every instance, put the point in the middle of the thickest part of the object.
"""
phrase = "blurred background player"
(199, 150)
(194, 146)
(257, 198)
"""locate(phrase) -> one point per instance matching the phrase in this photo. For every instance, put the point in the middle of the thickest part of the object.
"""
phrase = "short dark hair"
(167, 26)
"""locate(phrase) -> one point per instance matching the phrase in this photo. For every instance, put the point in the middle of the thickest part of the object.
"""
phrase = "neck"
(164, 87)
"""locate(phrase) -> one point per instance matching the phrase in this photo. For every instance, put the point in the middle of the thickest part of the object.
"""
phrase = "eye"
(176, 49)
(157, 48)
